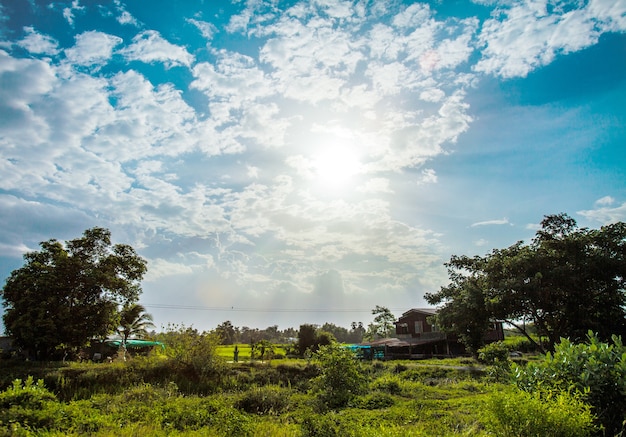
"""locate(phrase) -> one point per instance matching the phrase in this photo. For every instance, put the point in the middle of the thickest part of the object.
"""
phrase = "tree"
(341, 377)
(567, 281)
(67, 294)
(307, 337)
(310, 339)
(383, 324)
(357, 332)
(227, 332)
(466, 311)
(134, 321)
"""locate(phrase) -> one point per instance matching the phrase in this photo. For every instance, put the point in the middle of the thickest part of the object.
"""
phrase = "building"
(417, 336)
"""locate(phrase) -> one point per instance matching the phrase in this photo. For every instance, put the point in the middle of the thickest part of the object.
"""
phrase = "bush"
(515, 413)
(388, 384)
(375, 401)
(341, 377)
(264, 400)
(493, 353)
(595, 370)
(29, 404)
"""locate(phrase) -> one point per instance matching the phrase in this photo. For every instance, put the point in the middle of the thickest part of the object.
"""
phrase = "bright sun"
(336, 167)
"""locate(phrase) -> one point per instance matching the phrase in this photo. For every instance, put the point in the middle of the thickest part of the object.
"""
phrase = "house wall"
(408, 325)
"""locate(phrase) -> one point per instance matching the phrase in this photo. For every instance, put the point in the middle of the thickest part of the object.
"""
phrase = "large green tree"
(67, 294)
(567, 281)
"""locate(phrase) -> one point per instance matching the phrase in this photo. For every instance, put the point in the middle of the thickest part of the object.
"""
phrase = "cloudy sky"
(286, 162)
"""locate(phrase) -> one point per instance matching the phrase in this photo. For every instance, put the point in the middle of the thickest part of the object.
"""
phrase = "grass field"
(228, 351)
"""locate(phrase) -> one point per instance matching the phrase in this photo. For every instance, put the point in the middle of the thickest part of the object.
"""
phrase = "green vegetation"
(190, 390)
(567, 281)
(68, 294)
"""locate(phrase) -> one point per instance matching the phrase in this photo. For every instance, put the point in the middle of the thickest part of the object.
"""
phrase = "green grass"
(227, 351)
(141, 397)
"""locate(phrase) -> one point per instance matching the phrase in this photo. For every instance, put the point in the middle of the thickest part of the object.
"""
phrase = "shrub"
(493, 353)
(595, 370)
(388, 384)
(515, 413)
(264, 400)
(375, 401)
(29, 404)
(341, 376)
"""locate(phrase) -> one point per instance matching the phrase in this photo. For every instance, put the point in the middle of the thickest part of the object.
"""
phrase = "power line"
(263, 310)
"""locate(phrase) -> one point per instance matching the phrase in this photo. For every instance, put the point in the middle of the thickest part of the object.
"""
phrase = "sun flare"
(336, 167)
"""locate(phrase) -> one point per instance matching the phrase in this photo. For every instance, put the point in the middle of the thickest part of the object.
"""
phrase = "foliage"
(493, 353)
(264, 400)
(310, 339)
(67, 294)
(595, 370)
(139, 397)
(227, 332)
(134, 321)
(465, 312)
(383, 324)
(341, 377)
(567, 281)
(343, 335)
(193, 352)
(515, 413)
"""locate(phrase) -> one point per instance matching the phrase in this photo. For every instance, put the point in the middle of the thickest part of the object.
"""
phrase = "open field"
(155, 396)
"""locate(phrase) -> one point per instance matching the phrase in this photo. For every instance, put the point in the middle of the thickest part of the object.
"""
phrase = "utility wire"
(264, 310)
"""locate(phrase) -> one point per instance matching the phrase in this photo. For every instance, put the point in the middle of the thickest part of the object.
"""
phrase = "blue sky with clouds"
(286, 162)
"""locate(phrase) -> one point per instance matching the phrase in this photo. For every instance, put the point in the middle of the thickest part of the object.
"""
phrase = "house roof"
(396, 342)
(427, 311)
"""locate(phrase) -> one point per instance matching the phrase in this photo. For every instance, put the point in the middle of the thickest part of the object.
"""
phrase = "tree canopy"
(383, 324)
(567, 281)
(67, 294)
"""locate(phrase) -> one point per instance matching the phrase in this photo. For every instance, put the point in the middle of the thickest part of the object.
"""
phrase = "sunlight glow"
(336, 167)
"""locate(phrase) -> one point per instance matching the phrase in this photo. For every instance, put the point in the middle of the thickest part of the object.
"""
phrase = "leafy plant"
(29, 403)
(341, 376)
(516, 413)
(264, 400)
(595, 370)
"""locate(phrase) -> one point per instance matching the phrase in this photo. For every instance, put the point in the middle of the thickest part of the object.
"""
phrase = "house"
(418, 336)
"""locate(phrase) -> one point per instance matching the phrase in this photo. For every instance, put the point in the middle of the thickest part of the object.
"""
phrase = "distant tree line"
(231, 334)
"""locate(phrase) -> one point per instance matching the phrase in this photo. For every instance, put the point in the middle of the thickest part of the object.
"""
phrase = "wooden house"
(417, 336)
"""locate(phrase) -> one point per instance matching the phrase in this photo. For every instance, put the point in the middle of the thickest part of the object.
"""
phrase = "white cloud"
(524, 36)
(38, 43)
(207, 30)
(496, 222)
(149, 47)
(92, 48)
(429, 176)
(605, 201)
(605, 214)
(68, 13)
(376, 185)
(481, 242)
(126, 18)
(160, 268)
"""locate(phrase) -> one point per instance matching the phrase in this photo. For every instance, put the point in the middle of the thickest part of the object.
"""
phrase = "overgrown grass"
(157, 396)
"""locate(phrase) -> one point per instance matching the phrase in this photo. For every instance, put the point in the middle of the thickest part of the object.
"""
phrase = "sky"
(289, 162)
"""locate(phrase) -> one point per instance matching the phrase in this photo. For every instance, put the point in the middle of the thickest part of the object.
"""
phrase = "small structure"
(417, 337)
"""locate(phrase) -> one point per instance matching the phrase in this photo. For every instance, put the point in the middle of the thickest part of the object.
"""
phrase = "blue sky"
(285, 162)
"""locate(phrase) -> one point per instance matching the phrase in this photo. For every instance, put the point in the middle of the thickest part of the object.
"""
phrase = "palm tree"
(134, 321)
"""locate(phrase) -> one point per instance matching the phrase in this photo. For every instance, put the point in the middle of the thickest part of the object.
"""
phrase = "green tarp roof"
(134, 343)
